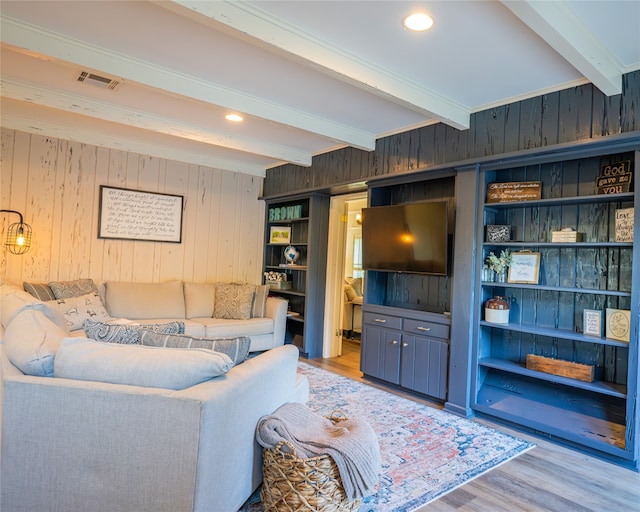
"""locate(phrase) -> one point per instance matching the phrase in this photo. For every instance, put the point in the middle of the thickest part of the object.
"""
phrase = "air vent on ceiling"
(99, 81)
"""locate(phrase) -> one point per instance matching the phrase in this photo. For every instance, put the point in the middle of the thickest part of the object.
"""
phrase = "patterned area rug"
(426, 452)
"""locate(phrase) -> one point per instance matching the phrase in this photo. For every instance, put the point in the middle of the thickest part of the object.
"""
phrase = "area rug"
(426, 452)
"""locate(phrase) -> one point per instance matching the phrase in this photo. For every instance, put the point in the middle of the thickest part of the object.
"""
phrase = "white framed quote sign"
(138, 215)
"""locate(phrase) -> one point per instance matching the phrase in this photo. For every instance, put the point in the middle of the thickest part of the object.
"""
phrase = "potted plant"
(500, 264)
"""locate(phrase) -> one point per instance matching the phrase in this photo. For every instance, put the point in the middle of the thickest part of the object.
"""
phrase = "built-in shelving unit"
(306, 218)
(546, 318)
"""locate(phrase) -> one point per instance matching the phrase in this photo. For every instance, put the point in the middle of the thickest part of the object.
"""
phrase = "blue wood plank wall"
(572, 115)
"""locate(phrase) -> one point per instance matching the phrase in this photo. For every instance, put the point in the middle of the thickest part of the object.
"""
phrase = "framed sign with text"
(514, 191)
(524, 267)
(137, 215)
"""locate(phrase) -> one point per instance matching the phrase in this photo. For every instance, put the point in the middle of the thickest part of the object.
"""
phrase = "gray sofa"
(77, 445)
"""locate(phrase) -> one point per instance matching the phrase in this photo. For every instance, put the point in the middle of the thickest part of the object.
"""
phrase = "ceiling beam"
(258, 24)
(35, 39)
(563, 30)
(23, 91)
(36, 125)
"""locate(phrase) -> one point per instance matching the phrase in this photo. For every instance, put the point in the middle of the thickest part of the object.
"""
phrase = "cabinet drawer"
(386, 321)
(429, 329)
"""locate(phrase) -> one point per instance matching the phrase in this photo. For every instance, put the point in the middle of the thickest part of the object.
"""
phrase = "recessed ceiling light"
(236, 118)
(418, 22)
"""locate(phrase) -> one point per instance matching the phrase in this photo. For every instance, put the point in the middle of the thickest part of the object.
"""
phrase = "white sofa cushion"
(31, 341)
(225, 328)
(198, 298)
(137, 365)
(13, 300)
(142, 301)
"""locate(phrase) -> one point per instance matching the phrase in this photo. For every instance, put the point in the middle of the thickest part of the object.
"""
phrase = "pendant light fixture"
(18, 239)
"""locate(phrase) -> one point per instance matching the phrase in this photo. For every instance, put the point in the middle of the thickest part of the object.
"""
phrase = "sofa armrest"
(277, 310)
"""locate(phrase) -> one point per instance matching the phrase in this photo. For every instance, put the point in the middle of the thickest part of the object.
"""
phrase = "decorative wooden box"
(566, 236)
(578, 371)
(279, 285)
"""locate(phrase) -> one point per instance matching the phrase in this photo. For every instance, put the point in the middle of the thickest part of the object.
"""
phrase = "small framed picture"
(280, 235)
(525, 267)
(593, 322)
(496, 233)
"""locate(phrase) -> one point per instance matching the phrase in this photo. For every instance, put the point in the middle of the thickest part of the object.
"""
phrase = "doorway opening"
(345, 276)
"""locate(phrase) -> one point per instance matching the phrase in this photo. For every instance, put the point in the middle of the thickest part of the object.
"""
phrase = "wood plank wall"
(55, 184)
(572, 115)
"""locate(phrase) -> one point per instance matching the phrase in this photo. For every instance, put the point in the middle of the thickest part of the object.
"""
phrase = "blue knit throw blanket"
(351, 443)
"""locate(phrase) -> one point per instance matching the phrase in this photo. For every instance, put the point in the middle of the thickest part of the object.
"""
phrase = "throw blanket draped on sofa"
(351, 443)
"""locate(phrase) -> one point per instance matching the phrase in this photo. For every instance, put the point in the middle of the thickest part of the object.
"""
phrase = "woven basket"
(311, 484)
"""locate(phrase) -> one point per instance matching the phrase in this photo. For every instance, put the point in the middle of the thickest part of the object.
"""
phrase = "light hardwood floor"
(548, 478)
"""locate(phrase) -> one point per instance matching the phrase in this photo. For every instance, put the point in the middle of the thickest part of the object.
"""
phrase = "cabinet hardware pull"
(405, 344)
(394, 342)
(380, 320)
(420, 328)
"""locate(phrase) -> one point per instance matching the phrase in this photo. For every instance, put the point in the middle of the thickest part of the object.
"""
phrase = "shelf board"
(554, 333)
(297, 293)
(561, 245)
(295, 319)
(556, 201)
(611, 293)
(605, 388)
(303, 244)
(574, 425)
(289, 267)
(287, 221)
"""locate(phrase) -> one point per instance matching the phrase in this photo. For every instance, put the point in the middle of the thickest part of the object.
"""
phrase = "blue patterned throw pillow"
(128, 334)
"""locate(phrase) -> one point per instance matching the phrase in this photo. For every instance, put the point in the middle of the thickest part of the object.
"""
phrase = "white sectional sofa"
(74, 445)
(212, 310)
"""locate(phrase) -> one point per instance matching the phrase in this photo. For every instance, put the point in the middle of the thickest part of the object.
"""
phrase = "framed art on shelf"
(280, 235)
(593, 322)
(525, 267)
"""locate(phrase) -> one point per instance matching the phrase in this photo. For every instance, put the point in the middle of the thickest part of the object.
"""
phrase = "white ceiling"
(308, 76)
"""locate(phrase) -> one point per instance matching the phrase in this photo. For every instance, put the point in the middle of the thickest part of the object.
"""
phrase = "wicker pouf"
(311, 484)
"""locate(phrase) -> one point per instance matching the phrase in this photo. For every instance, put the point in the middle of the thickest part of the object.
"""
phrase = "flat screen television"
(406, 238)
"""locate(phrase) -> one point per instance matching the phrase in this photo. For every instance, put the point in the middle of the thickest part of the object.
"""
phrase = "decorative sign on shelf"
(497, 233)
(524, 268)
(615, 178)
(624, 225)
(593, 322)
(618, 324)
(285, 213)
(136, 215)
(514, 191)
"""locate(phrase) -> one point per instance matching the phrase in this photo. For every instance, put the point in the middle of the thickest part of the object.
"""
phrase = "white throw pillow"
(137, 365)
(78, 309)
